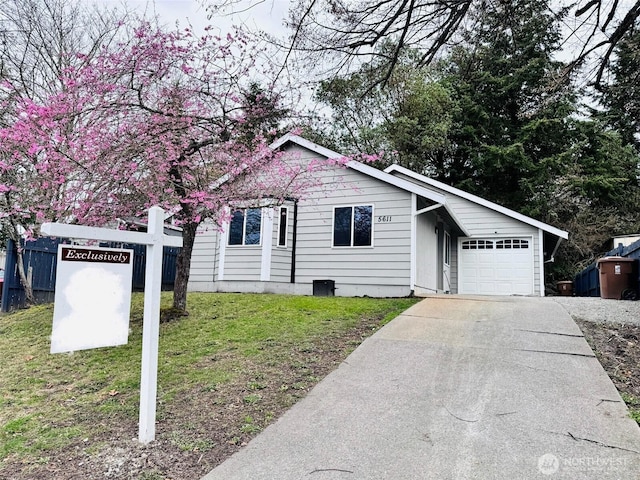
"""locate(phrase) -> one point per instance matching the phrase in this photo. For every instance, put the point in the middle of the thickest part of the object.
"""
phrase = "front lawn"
(226, 371)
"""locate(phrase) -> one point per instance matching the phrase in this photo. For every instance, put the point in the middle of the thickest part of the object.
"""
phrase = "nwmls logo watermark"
(549, 464)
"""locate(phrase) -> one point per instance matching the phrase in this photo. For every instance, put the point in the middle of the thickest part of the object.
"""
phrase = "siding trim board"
(414, 242)
(222, 248)
(541, 261)
(267, 243)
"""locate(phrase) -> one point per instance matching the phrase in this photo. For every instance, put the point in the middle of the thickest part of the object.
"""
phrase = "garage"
(496, 266)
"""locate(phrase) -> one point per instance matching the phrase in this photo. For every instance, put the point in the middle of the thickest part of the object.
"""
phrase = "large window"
(245, 227)
(353, 226)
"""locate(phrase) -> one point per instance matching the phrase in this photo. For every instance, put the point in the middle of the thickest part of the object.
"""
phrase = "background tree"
(512, 113)
(499, 118)
(409, 117)
(596, 197)
(264, 113)
(621, 96)
(488, 119)
(340, 32)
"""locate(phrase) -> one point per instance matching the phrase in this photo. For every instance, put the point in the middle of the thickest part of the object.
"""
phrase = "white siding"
(482, 222)
(204, 258)
(281, 256)
(356, 270)
(243, 262)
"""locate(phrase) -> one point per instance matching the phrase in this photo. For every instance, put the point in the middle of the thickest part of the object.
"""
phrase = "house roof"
(372, 172)
(361, 167)
(480, 201)
(388, 176)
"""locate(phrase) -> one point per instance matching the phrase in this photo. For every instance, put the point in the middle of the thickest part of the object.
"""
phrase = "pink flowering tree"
(159, 119)
(35, 40)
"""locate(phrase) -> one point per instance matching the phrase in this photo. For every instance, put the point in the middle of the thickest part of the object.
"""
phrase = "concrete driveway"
(457, 387)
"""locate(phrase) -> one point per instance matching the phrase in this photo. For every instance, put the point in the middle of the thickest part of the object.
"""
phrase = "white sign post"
(155, 240)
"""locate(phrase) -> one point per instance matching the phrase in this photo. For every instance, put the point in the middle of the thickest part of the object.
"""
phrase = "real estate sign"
(93, 293)
(93, 297)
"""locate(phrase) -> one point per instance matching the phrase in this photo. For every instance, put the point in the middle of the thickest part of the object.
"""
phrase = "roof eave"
(480, 201)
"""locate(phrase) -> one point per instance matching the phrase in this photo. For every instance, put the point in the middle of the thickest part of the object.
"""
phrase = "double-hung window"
(353, 226)
(245, 227)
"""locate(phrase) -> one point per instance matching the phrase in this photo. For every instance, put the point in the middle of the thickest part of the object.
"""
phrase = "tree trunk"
(183, 264)
(24, 281)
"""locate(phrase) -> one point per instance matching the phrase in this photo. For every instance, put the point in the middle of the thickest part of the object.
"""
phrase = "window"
(447, 248)
(512, 243)
(282, 227)
(477, 245)
(353, 226)
(245, 227)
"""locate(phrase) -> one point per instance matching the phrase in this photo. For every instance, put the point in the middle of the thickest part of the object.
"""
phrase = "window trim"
(286, 227)
(353, 206)
(244, 228)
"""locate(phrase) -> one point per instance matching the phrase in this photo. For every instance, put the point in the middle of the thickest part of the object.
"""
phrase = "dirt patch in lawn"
(202, 427)
(617, 347)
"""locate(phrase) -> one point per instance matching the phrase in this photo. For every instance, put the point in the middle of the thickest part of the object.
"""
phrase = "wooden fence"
(587, 282)
(40, 262)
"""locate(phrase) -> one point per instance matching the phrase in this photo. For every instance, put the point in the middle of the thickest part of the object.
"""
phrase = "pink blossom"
(152, 120)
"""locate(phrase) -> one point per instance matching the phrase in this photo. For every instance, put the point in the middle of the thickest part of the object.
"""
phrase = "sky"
(265, 15)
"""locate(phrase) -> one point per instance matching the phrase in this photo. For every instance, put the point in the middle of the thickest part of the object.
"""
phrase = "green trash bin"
(616, 277)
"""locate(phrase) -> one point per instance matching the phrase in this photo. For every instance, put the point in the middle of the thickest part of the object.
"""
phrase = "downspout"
(294, 241)
(553, 254)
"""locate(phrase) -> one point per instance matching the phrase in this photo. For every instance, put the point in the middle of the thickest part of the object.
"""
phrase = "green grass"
(633, 403)
(49, 401)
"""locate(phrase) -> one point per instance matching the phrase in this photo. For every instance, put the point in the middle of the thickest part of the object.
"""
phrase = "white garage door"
(496, 266)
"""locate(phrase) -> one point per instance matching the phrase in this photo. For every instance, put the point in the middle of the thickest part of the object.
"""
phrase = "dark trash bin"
(565, 288)
(617, 277)
(324, 288)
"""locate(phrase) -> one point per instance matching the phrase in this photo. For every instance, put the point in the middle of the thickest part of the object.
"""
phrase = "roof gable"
(361, 167)
(478, 200)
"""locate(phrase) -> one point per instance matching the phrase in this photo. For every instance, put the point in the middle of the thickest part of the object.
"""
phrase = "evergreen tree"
(512, 116)
(621, 98)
